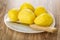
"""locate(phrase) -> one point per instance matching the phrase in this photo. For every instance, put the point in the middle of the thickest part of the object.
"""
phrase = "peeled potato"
(39, 10)
(27, 5)
(26, 16)
(44, 19)
(13, 15)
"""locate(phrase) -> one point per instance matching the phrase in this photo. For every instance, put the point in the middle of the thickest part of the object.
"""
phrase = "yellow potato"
(13, 15)
(39, 10)
(26, 16)
(27, 5)
(44, 20)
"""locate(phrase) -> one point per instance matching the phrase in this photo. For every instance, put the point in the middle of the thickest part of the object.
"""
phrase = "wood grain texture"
(7, 34)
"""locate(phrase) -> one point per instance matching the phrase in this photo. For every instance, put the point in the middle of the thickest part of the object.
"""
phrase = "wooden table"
(8, 34)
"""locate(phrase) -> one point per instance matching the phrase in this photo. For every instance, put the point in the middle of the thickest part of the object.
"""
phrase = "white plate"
(21, 27)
